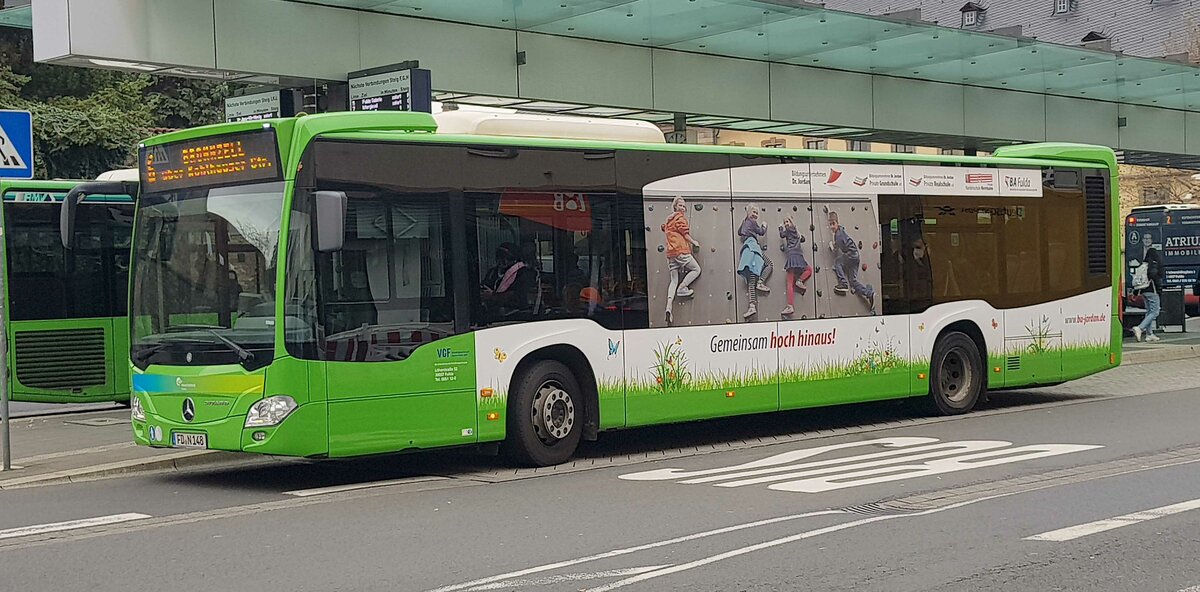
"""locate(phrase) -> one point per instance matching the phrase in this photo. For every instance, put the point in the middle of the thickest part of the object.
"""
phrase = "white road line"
(628, 550)
(1191, 589)
(356, 486)
(781, 541)
(1146, 515)
(1071, 533)
(13, 533)
(576, 577)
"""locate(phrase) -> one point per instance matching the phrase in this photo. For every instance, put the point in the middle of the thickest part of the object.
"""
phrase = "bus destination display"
(235, 158)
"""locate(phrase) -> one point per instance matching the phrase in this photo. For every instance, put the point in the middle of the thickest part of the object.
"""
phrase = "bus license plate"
(186, 440)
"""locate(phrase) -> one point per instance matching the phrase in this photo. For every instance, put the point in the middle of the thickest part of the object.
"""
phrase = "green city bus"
(66, 324)
(359, 283)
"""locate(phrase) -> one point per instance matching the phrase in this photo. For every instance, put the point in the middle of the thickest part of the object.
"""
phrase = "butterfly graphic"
(500, 355)
(613, 346)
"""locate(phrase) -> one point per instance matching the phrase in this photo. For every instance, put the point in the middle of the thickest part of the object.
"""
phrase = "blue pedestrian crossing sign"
(16, 145)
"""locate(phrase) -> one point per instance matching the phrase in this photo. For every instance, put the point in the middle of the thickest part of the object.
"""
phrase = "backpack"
(1141, 277)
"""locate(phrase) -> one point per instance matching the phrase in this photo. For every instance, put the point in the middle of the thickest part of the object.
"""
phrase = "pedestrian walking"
(1147, 281)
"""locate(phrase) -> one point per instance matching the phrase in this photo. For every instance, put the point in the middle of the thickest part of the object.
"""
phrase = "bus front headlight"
(135, 408)
(270, 411)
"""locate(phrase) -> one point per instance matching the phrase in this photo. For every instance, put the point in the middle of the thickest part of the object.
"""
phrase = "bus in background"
(360, 283)
(66, 323)
(1173, 229)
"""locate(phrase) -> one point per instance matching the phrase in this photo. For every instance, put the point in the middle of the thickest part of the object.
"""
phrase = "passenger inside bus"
(507, 286)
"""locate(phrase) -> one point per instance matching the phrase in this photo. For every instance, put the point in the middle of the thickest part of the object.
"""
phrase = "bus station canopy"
(777, 66)
(805, 34)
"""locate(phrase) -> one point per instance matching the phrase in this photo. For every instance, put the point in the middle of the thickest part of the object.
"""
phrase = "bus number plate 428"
(185, 440)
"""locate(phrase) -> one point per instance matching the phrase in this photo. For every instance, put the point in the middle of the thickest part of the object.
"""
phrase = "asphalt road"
(1086, 486)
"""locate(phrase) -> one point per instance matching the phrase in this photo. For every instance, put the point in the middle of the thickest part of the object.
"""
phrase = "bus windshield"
(204, 274)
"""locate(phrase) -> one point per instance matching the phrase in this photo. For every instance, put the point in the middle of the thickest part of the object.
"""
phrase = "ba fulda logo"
(1015, 182)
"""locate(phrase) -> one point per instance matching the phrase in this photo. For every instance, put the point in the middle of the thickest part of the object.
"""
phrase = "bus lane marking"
(13, 533)
(1071, 533)
(782, 472)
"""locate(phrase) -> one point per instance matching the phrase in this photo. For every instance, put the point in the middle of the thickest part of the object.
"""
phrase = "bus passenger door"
(397, 376)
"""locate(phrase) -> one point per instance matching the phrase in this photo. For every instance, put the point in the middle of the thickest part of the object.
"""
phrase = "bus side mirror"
(330, 212)
(70, 204)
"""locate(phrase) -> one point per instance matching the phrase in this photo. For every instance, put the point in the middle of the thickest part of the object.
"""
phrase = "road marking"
(627, 550)
(782, 473)
(13, 533)
(357, 486)
(577, 577)
(1071, 533)
(1191, 589)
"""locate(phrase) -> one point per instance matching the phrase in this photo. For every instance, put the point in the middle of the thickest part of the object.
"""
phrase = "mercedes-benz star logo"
(189, 410)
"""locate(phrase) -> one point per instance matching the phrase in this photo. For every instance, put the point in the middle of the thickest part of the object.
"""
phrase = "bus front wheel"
(545, 415)
(956, 374)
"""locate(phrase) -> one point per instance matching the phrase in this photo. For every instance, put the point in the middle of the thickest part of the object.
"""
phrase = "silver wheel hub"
(956, 377)
(553, 412)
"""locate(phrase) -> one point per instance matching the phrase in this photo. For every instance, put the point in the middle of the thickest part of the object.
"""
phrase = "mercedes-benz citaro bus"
(360, 283)
(66, 323)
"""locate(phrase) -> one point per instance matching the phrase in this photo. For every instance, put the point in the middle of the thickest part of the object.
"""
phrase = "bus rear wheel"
(545, 416)
(956, 375)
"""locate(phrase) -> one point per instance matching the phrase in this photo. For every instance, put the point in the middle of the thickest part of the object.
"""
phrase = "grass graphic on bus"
(1040, 334)
(670, 367)
(670, 373)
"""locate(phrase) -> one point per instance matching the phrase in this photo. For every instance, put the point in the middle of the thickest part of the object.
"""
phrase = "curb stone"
(1161, 354)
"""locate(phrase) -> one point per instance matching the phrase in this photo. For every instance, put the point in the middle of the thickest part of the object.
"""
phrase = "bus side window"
(904, 258)
(541, 226)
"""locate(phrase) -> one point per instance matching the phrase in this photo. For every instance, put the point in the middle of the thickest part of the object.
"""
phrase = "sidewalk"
(1175, 345)
(81, 446)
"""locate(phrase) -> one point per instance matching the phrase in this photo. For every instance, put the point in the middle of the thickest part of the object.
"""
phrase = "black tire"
(956, 375)
(545, 415)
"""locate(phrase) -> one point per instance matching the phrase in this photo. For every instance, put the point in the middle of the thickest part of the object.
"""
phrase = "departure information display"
(247, 157)
(401, 90)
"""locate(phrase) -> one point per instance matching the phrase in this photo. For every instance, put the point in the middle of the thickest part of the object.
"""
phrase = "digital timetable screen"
(400, 90)
(248, 157)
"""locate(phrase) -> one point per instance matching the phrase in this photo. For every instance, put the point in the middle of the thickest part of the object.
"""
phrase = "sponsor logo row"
(839, 179)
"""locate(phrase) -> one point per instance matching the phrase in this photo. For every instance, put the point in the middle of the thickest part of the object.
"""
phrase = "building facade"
(1143, 28)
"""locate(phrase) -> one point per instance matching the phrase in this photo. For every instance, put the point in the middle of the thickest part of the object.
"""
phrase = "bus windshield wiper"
(141, 356)
(183, 328)
(243, 353)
